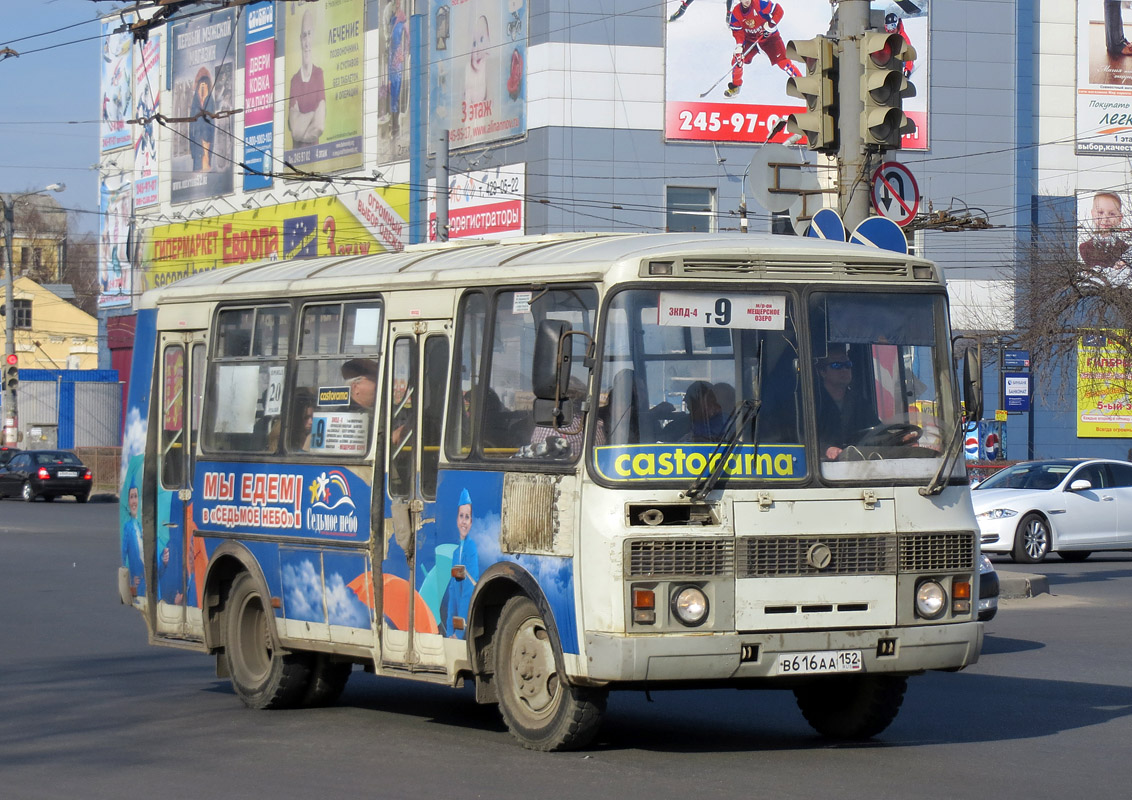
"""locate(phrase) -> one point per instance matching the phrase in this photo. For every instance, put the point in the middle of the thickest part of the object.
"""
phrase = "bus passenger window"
(336, 374)
(465, 399)
(508, 427)
(432, 410)
(249, 373)
(402, 422)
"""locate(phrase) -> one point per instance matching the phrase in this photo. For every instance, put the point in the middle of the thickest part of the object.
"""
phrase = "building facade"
(293, 130)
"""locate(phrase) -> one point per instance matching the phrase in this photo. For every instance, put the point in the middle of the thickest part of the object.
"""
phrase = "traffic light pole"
(11, 418)
(852, 183)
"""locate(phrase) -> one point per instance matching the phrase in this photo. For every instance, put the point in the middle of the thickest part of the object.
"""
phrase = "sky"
(49, 129)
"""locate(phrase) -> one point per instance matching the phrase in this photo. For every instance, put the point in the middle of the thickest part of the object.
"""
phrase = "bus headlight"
(931, 599)
(690, 605)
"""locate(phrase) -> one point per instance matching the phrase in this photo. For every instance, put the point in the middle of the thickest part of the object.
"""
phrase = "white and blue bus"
(557, 466)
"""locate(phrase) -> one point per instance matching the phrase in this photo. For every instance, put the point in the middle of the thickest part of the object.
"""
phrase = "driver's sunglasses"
(839, 365)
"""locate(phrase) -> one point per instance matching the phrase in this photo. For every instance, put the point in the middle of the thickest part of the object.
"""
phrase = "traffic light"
(818, 123)
(11, 376)
(884, 87)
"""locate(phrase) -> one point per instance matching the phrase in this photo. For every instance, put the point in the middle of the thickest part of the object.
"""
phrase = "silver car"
(1072, 507)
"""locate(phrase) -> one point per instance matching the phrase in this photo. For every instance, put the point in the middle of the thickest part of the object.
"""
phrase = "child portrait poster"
(477, 72)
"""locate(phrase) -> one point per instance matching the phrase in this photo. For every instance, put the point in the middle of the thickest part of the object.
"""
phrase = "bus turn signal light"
(961, 597)
(644, 607)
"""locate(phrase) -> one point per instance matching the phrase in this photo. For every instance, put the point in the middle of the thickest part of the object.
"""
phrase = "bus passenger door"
(177, 562)
(417, 373)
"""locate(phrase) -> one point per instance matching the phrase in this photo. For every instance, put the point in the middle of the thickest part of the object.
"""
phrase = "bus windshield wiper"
(939, 480)
(747, 411)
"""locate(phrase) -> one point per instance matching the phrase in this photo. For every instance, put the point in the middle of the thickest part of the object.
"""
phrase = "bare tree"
(81, 271)
(1063, 301)
(39, 248)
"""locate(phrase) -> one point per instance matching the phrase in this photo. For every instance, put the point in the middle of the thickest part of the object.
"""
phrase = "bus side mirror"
(973, 385)
(550, 374)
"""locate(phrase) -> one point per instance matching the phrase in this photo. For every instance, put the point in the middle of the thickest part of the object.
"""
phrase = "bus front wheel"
(851, 707)
(541, 708)
(262, 675)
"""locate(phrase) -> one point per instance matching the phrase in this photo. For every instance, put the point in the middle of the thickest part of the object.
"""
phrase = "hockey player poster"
(726, 67)
(116, 100)
(147, 78)
(1104, 79)
(477, 75)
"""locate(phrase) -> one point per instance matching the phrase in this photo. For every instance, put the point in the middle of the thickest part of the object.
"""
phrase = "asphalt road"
(89, 710)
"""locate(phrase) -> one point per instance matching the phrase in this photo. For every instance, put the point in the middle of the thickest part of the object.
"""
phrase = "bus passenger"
(840, 415)
(566, 442)
(361, 375)
(302, 420)
(706, 414)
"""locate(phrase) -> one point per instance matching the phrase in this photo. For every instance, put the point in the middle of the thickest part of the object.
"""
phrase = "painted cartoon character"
(465, 570)
(132, 544)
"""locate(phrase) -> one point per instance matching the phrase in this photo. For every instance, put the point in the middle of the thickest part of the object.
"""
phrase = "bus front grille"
(937, 552)
(788, 556)
(649, 558)
(780, 556)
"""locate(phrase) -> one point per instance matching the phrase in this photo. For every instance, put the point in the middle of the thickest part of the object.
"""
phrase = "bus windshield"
(676, 364)
(883, 399)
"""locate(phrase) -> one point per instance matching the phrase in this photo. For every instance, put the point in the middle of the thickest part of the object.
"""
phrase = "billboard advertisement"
(259, 94)
(478, 71)
(725, 74)
(393, 112)
(1104, 237)
(147, 82)
(117, 71)
(356, 223)
(114, 283)
(1104, 386)
(324, 59)
(203, 76)
(484, 204)
(1104, 80)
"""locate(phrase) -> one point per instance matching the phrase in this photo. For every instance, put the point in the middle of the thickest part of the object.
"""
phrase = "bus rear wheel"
(262, 675)
(327, 680)
(541, 708)
(851, 707)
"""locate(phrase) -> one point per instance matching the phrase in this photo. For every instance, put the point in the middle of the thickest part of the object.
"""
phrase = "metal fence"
(105, 464)
(70, 408)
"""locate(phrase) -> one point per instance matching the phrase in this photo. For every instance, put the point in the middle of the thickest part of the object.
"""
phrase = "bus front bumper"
(731, 656)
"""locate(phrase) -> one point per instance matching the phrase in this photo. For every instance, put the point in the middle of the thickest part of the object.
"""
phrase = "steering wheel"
(890, 434)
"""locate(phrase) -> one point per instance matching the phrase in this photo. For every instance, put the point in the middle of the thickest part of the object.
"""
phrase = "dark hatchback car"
(45, 473)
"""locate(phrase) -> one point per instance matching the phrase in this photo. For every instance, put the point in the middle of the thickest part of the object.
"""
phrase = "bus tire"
(541, 708)
(262, 675)
(851, 707)
(327, 680)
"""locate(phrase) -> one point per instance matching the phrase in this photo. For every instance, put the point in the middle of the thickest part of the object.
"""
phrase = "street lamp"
(11, 415)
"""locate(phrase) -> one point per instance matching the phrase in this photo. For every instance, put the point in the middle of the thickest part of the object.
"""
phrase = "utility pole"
(442, 181)
(852, 192)
(11, 365)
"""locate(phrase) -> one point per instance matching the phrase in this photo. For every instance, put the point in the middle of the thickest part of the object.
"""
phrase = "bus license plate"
(819, 661)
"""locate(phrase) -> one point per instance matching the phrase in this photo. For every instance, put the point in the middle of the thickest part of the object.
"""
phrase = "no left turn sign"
(895, 193)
